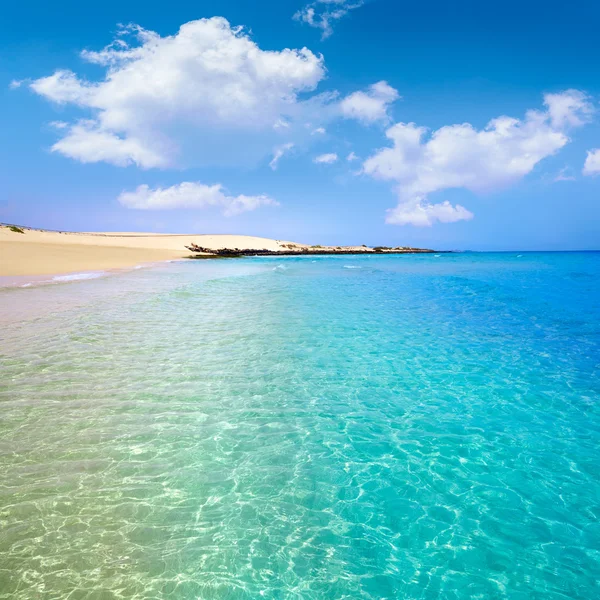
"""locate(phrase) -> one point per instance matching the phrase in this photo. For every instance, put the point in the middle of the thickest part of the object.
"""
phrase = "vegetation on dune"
(14, 228)
(313, 250)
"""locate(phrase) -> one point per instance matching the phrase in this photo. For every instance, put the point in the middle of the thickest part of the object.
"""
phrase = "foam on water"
(419, 430)
(80, 276)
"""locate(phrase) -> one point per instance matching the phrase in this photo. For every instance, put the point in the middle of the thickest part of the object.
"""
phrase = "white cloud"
(209, 79)
(351, 157)
(193, 195)
(563, 175)
(423, 214)
(323, 13)
(460, 156)
(63, 87)
(326, 159)
(370, 106)
(278, 153)
(592, 162)
(571, 108)
(281, 124)
(205, 96)
(89, 143)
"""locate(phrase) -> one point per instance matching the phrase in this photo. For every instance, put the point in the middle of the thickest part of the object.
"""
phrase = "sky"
(456, 126)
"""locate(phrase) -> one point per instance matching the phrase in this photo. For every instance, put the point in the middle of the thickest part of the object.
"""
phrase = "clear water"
(412, 427)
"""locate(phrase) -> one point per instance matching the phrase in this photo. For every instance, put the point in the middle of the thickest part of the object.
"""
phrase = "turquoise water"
(338, 428)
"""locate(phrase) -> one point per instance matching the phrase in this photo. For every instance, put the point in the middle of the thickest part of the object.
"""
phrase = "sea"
(332, 427)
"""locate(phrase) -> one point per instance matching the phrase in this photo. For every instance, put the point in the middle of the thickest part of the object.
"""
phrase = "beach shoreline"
(28, 252)
(38, 252)
(27, 281)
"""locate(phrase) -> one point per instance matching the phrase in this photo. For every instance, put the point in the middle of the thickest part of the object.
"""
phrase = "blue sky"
(470, 125)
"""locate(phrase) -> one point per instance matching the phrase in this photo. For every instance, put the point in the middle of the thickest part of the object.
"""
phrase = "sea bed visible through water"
(333, 427)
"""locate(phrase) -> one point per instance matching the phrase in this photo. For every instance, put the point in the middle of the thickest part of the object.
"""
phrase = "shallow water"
(411, 427)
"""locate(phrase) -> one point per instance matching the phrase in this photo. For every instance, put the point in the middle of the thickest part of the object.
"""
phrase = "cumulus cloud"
(209, 78)
(321, 14)
(63, 87)
(424, 214)
(207, 95)
(326, 159)
(279, 152)
(460, 156)
(571, 108)
(88, 142)
(193, 195)
(370, 106)
(351, 157)
(592, 162)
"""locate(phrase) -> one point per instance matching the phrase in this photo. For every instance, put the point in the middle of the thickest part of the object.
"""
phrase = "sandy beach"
(40, 252)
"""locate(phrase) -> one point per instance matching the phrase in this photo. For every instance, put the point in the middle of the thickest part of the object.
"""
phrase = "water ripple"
(413, 429)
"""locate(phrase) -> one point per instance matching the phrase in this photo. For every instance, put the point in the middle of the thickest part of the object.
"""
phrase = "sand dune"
(39, 252)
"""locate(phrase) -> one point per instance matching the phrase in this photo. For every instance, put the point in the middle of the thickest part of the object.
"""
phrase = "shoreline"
(37, 252)
(29, 255)
(27, 281)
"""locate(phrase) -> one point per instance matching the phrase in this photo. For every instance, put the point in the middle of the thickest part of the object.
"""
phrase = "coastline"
(26, 281)
(38, 252)
(33, 253)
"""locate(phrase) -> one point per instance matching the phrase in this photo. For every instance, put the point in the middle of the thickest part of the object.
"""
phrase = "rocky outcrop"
(288, 250)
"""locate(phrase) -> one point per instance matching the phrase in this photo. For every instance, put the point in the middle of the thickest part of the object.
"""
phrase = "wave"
(79, 276)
